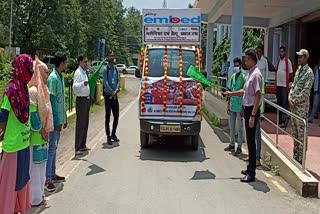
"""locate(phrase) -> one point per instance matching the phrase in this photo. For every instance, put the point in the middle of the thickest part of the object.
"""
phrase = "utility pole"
(10, 36)
(164, 4)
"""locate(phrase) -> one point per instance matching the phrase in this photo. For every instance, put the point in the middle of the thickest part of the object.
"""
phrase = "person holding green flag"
(82, 89)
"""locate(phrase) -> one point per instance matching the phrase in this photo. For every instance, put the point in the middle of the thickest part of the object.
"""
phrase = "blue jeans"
(54, 138)
(315, 106)
(236, 117)
(258, 140)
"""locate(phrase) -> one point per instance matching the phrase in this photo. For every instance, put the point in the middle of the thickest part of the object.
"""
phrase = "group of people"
(32, 115)
(246, 101)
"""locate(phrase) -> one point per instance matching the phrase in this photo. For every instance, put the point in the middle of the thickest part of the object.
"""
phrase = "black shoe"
(282, 125)
(109, 140)
(248, 179)
(229, 148)
(49, 186)
(115, 139)
(58, 178)
(239, 151)
(244, 172)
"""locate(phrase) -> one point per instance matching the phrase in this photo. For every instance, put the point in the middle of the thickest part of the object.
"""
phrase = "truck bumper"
(159, 127)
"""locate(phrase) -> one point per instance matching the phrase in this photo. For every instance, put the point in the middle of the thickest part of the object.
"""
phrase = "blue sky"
(139, 4)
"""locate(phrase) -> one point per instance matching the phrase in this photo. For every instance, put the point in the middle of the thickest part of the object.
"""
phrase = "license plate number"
(170, 129)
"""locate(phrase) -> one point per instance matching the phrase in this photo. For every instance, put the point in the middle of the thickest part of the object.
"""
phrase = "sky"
(150, 4)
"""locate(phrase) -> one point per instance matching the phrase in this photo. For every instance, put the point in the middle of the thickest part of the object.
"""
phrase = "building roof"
(257, 13)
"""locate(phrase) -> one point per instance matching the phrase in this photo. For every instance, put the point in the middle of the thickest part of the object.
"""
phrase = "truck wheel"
(195, 142)
(144, 139)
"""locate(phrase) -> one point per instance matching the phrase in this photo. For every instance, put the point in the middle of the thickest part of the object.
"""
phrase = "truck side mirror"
(138, 73)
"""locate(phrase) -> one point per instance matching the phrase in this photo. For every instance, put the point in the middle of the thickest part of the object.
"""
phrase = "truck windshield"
(156, 62)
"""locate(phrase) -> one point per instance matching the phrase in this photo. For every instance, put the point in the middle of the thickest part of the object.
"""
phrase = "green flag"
(93, 80)
(195, 74)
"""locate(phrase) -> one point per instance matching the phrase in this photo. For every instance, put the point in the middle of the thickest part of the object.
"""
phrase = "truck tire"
(144, 139)
(195, 142)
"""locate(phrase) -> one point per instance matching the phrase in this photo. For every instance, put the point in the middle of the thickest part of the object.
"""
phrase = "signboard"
(172, 26)
(154, 97)
(14, 50)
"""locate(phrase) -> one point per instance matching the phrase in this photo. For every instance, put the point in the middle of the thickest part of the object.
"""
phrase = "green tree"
(72, 26)
(4, 22)
(252, 38)
(134, 30)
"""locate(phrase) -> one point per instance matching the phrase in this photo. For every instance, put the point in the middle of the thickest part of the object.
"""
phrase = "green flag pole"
(195, 74)
(93, 80)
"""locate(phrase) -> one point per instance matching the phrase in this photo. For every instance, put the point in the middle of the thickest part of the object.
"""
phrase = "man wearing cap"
(299, 98)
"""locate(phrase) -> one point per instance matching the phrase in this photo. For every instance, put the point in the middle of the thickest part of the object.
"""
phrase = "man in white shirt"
(262, 63)
(82, 90)
(284, 74)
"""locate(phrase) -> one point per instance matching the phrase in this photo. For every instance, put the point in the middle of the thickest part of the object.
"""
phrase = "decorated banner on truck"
(155, 97)
(165, 26)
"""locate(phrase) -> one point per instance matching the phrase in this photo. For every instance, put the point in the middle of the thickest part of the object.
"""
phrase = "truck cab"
(169, 100)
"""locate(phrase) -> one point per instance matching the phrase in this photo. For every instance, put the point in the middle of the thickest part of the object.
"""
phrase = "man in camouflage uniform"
(299, 101)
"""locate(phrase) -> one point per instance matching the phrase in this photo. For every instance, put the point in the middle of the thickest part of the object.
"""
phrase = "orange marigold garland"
(198, 84)
(200, 59)
(141, 58)
(165, 80)
(145, 82)
(180, 81)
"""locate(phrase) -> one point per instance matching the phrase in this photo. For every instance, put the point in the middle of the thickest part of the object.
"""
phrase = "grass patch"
(212, 118)
(273, 168)
(123, 92)
(96, 107)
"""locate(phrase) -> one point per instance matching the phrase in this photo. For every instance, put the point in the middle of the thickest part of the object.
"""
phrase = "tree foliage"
(252, 38)
(72, 26)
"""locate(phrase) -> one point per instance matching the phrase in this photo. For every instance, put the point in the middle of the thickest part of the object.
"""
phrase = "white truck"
(169, 100)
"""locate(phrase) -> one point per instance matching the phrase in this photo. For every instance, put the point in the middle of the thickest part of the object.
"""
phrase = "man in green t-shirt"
(236, 83)
(56, 87)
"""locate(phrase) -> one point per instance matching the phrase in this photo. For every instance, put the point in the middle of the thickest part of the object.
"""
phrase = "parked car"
(122, 68)
(132, 69)
(48, 60)
(96, 63)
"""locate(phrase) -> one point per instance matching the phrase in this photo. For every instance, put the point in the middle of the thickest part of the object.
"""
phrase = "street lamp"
(10, 30)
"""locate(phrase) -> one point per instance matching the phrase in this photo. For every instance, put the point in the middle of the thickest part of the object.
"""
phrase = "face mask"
(236, 69)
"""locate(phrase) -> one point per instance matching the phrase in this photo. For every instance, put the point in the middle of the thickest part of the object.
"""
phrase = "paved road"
(167, 178)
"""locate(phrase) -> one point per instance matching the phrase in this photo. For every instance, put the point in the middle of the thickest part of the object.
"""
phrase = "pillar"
(276, 46)
(292, 48)
(209, 50)
(269, 46)
(219, 34)
(236, 32)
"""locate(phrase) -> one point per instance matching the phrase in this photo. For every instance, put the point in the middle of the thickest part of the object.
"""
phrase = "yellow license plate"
(170, 129)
